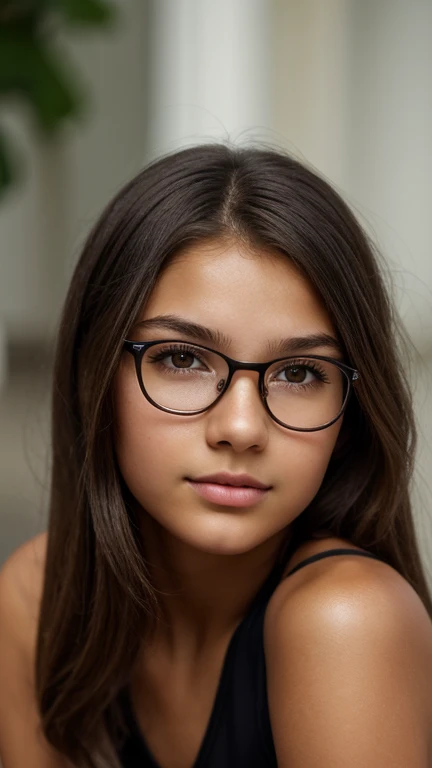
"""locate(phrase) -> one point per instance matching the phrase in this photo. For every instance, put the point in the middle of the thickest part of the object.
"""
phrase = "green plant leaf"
(14, 9)
(86, 12)
(32, 70)
(35, 71)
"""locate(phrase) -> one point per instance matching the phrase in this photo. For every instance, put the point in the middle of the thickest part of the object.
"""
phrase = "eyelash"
(173, 349)
(311, 366)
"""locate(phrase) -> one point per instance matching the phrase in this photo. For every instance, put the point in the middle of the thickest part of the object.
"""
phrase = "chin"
(231, 540)
(224, 548)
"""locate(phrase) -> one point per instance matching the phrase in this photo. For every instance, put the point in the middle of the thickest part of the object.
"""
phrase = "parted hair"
(98, 599)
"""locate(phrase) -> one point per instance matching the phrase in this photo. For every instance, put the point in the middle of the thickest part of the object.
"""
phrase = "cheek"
(154, 450)
(304, 463)
(147, 440)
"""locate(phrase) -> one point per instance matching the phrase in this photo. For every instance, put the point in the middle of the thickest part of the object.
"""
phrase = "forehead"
(246, 294)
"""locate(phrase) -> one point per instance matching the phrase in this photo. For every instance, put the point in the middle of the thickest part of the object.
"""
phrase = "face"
(251, 299)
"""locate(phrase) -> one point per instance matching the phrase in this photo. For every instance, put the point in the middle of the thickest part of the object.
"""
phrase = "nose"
(239, 418)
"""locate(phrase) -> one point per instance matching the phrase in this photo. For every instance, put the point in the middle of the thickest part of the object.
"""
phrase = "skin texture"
(220, 285)
(348, 648)
(21, 582)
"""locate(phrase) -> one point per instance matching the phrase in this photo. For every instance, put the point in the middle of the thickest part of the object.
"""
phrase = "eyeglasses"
(301, 393)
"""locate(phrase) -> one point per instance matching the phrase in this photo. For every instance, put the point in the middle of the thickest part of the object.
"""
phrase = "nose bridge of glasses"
(238, 370)
(235, 365)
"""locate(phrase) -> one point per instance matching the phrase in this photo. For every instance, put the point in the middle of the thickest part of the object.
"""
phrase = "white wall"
(310, 82)
(390, 148)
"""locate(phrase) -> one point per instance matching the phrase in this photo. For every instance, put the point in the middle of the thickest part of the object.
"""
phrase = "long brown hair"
(97, 597)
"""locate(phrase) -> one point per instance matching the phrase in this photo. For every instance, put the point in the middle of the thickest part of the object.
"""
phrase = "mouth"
(229, 490)
(235, 481)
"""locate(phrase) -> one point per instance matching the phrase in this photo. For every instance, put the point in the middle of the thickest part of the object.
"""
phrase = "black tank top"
(238, 733)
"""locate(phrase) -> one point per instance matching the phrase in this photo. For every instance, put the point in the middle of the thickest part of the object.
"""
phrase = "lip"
(228, 495)
(227, 479)
(229, 490)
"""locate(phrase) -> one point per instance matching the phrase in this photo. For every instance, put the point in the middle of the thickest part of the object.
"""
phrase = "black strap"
(331, 552)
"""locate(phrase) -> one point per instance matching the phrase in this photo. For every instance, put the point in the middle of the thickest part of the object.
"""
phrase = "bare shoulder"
(21, 581)
(27, 561)
(363, 581)
(21, 584)
(346, 639)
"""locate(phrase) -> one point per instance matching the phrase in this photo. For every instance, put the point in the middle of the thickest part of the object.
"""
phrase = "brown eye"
(296, 375)
(182, 359)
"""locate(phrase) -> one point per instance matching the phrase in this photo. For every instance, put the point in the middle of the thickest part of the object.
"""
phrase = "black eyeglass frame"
(137, 350)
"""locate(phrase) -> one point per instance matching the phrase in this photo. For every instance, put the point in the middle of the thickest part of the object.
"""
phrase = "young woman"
(230, 577)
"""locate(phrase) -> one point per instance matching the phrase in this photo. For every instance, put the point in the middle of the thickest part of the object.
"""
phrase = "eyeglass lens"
(300, 392)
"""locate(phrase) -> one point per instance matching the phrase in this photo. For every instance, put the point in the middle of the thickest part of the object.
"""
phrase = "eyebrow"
(218, 339)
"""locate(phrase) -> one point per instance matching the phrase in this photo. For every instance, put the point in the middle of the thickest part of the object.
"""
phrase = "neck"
(202, 596)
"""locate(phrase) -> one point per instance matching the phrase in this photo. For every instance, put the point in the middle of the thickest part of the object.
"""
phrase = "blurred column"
(209, 71)
(353, 98)
(311, 81)
(33, 235)
(3, 353)
(390, 109)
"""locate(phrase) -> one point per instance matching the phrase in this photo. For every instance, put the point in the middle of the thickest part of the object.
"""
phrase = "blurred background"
(91, 90)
